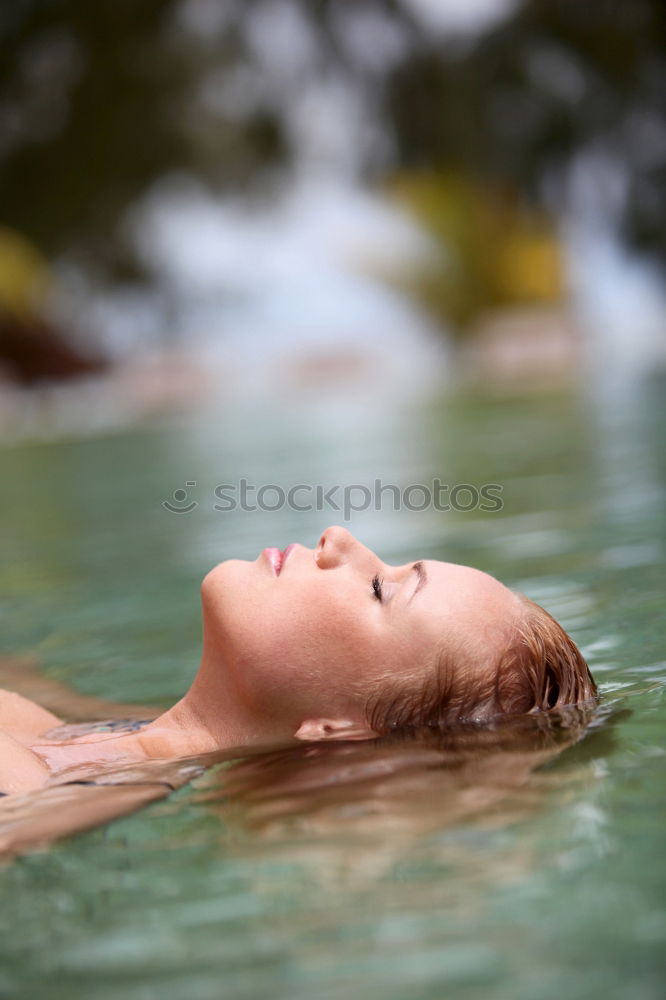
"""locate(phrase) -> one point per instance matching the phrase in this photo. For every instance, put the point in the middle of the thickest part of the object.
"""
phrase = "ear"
(333, 729)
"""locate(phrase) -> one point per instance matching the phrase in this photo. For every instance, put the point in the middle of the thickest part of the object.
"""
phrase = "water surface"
(254, 881)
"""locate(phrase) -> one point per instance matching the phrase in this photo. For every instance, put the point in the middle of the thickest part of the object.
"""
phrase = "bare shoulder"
(22, 719)
(21, 770)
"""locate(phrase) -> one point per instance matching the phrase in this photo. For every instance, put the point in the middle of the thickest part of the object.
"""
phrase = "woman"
(328, 643)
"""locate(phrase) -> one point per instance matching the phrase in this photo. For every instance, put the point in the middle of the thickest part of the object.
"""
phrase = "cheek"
(288, 645)
(275, 673)
(297, 663)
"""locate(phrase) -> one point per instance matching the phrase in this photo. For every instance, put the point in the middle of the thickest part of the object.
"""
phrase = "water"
(348, 875)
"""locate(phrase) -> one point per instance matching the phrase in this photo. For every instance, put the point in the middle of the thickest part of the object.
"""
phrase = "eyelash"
(377, 587)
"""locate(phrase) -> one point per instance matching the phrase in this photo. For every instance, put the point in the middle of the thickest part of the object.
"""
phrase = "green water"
(557, 890)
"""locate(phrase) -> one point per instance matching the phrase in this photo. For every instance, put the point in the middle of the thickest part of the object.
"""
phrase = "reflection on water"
(376, 799)
(525, 869)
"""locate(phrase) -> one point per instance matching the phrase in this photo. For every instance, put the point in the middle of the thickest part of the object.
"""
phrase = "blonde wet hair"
(539, 670)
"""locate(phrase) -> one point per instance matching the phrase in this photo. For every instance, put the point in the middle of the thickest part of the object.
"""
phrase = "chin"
(226, 574)
(233, 597)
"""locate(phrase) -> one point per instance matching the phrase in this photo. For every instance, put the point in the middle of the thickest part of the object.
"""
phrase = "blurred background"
(216, 197)
(325, 242)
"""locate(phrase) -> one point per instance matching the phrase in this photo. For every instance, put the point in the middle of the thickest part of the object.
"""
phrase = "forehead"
(464, 580)
(466, 603)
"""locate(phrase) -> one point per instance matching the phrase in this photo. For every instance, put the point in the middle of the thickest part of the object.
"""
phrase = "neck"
(208, 718)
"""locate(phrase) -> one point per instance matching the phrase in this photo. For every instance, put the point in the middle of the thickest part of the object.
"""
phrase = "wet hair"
(540, 670)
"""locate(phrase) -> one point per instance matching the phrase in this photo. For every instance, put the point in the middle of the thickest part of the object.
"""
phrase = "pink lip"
(276, 558)
(285, 555)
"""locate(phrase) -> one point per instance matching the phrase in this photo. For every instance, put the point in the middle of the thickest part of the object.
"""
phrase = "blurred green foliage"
(493, 251)
(99, 101)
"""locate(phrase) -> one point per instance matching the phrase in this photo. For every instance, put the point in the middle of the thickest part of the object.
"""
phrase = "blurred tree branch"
(98, 101)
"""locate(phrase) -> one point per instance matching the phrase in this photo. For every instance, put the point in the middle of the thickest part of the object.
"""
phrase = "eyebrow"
(420, 571)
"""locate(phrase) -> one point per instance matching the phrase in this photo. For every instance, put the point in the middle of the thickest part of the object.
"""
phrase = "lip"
(276, 559)
(285, 554)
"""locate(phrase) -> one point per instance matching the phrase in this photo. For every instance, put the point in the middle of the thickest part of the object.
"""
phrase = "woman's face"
(310, 639)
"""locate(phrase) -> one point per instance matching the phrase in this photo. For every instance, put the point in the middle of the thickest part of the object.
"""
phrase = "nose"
(336, 546)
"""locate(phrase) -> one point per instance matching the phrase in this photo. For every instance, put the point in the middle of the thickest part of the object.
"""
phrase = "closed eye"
(377, 587)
